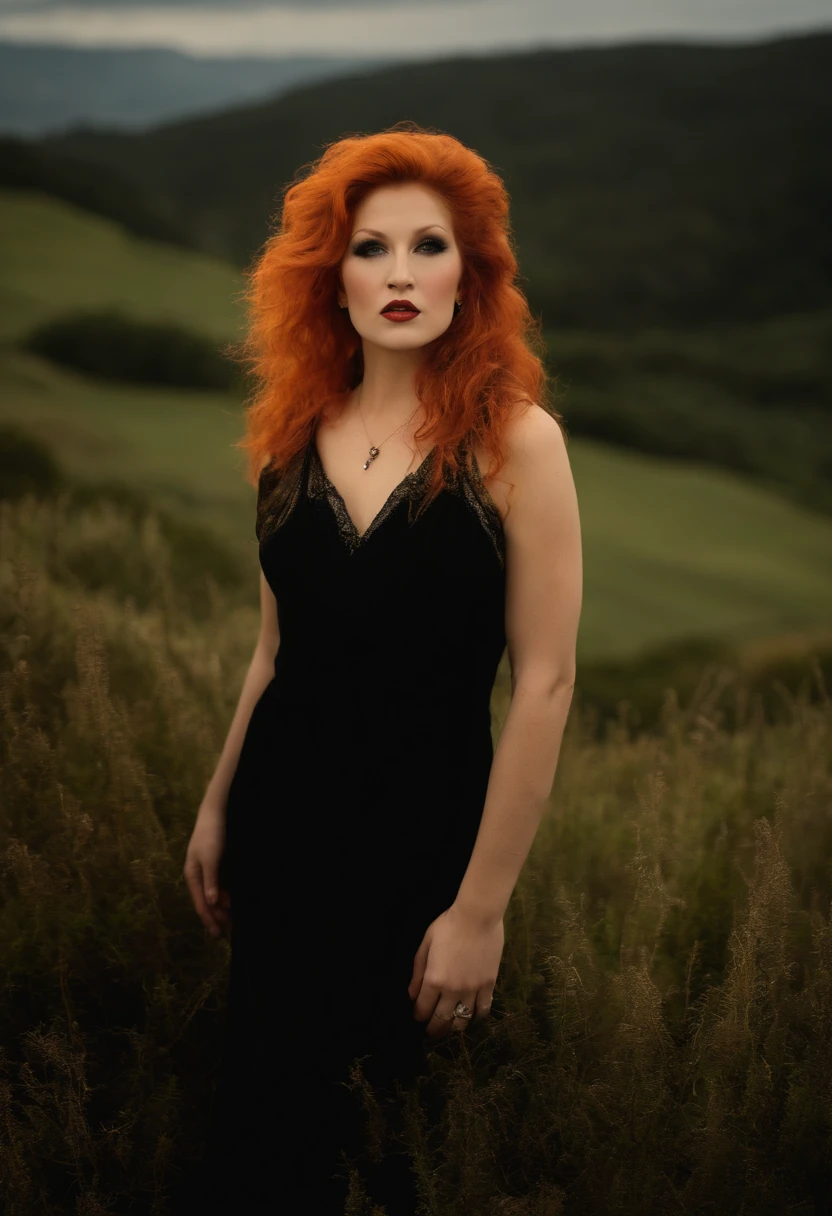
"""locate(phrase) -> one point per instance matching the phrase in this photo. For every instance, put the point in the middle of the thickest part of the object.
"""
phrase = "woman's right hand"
(201, 870)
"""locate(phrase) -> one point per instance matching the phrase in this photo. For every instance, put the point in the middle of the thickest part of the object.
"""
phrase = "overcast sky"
(401, 27)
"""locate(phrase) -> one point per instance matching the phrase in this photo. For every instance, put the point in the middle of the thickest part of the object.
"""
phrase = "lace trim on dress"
(279, 490)
(319, 484)
(477, 496)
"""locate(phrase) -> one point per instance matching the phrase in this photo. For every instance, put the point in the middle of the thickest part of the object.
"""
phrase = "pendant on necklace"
(373, 454)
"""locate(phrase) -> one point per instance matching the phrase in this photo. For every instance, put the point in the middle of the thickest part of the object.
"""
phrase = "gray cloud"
(44, 6)
(416, 28)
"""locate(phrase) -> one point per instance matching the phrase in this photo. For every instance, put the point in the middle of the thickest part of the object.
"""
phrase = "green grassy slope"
(672, 548)
(175, 445)
(56, 258)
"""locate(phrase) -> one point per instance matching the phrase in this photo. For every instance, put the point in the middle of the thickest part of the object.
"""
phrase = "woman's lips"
(397, 314)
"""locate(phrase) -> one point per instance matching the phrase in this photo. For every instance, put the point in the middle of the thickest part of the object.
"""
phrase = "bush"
(112, 346)
(27, 465)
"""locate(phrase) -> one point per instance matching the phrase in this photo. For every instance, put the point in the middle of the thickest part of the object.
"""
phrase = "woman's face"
(402, 247)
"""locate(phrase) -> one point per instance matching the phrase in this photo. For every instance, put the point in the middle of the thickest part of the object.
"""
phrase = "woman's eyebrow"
(375, 232)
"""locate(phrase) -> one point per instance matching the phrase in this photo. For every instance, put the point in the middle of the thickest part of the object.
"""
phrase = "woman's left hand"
(458, 960)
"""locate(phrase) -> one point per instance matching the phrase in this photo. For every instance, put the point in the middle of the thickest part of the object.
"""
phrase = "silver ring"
(460, 1011)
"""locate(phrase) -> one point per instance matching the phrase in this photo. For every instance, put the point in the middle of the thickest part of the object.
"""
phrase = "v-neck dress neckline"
(321, 483)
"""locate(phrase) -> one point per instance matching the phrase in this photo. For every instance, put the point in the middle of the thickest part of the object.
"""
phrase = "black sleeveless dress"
(351, 819)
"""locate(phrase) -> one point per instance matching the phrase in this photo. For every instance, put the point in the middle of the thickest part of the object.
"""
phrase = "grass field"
(175, 444)
(58, 259)
(671, 548)
(663, 1012)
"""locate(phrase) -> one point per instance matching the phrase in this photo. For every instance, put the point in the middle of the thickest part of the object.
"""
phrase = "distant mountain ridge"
(652, 184)
(48, 88)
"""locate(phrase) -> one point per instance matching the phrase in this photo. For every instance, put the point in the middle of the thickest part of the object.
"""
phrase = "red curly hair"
(304, 352)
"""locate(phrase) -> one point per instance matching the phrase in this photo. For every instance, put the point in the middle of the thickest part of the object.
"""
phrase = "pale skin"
(413, 256)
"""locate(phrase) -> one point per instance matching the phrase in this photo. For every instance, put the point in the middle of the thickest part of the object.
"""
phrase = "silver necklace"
(374, 451)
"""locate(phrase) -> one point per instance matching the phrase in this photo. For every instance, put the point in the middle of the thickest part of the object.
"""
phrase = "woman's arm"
(460, 953)
(260, 673)
(207, 843)
(544, 581)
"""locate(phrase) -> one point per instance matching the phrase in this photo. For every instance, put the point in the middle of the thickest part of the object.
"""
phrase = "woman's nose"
(401, 272)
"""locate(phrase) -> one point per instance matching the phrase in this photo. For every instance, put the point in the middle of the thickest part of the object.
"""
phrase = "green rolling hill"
(57, 259)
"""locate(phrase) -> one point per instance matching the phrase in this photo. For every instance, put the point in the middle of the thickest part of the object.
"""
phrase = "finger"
(466, 1001)
(196, 886)
(193, 877)
(210, 879)
(426, 1002)
(222, 917)
(484, 1001)
(419, 963)
(441, 1018)
(223, 904)
(220, 914)
(444, 1019)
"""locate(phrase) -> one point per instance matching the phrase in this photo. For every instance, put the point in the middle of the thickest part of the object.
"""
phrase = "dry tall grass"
(662, 1037)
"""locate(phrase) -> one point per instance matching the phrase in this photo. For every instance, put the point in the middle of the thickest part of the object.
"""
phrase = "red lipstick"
(400, 310)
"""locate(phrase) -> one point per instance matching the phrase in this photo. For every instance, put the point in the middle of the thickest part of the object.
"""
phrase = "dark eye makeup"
(362, 248)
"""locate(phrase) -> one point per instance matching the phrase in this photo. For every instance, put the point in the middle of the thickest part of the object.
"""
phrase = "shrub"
(27, 465)
(112, 346)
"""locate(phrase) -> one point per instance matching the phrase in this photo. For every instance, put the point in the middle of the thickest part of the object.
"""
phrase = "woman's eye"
(438, 245)
(433, 244)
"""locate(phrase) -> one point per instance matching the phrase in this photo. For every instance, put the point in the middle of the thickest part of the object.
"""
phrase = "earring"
(342, 307)
(458, 303)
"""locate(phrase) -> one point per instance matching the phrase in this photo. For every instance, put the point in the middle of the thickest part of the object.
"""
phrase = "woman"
(356, 834)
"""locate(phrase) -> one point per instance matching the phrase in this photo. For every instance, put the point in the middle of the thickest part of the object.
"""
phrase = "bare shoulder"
(535, 456)
(533, 436)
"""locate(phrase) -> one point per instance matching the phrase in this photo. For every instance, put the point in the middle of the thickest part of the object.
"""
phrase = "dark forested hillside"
(657, 184)
(89, 183)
